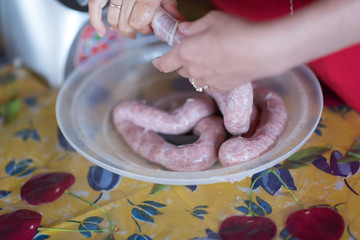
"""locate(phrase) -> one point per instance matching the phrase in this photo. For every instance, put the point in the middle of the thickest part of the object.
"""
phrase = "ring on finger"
(115, 5)
(197, 88)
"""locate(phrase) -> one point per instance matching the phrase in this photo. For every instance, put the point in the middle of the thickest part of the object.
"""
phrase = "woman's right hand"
(223, 51)
(129, 16)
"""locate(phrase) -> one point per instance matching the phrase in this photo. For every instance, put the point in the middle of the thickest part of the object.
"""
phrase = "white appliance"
(42, 34)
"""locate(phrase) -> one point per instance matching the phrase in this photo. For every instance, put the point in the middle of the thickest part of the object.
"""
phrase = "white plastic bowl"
(88, 96)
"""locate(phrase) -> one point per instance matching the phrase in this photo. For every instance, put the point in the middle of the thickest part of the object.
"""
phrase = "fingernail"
(183, 26)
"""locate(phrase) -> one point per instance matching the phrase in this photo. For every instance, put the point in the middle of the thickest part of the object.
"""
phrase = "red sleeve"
(340, 71)
(259, 10)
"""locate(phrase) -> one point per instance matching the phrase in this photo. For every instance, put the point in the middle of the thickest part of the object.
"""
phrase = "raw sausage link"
(220, 99)
(180, 121)
(272, 123)
(254, 121)
(192, 157)
(165, 27)
(236, 107)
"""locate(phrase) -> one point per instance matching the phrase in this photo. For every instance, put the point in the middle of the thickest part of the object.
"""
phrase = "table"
(31, 144)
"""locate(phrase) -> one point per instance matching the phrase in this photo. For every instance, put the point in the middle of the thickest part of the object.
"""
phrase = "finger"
(123, 25)
(169, 62)
(220, 82)
(114, 13)
(183, 72)
(198, 26)
(171, 7)
(95, 14)
(192, 28)
(142, 15)
(216, 90)
(196, 72)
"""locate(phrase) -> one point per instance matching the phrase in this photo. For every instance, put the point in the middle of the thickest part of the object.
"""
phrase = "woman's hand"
(222, 51)
(129, 16)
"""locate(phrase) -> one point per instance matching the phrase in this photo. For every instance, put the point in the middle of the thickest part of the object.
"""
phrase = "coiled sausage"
(272, 123)
(165, 27)
(180, 121)
(236, 107)
(191, 157)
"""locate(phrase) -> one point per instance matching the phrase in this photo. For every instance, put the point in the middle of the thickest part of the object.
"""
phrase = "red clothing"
(340, 71)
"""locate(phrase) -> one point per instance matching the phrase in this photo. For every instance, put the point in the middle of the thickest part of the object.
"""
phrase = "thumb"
(191, 28)
(195, 27)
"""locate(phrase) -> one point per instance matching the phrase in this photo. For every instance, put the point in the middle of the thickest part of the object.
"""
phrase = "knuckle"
(194, 73)
(198, 73)
(127, 33)
(125, 29)
(137, 23)
(145, 31)
(112, 21)
(142, 15)
(184, 54)
(113, 24)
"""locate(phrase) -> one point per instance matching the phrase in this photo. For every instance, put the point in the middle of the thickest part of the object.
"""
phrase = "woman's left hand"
(129, 16)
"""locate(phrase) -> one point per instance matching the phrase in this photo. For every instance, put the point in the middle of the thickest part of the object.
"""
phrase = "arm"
(223, 51)
(322, 28)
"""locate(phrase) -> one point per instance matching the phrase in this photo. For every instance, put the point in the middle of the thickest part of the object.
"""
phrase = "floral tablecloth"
(325, 172)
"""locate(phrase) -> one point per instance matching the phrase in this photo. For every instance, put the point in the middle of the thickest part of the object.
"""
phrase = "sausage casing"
(191, 157)
(272, 123)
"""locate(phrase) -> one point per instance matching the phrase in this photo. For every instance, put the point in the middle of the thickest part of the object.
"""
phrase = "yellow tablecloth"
(30, 138)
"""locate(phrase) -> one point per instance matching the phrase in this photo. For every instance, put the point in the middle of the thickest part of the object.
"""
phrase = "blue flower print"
(271, 183)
